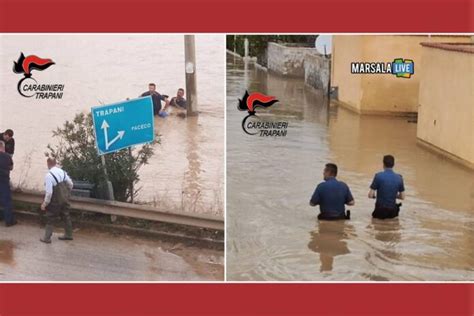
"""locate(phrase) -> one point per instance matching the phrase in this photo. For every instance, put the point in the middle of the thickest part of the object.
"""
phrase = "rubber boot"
(67, 228)
(48, 232)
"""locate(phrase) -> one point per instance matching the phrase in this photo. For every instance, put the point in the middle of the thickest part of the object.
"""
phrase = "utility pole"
(190, 69)
(246, 48)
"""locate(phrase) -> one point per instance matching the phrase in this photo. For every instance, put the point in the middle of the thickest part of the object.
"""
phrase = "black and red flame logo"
(25, 65)
(251, 101)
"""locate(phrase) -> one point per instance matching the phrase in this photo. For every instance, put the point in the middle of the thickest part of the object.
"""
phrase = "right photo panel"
(350, 157)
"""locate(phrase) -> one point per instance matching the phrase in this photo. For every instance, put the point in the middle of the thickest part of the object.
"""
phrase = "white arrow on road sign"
(120, 134)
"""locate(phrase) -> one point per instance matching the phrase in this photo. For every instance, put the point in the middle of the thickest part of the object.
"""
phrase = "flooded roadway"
(272, 232)
(117, 257)
(187, 169)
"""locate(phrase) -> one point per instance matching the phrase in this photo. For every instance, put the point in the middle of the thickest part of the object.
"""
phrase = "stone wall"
(287, 60)
(316, 71)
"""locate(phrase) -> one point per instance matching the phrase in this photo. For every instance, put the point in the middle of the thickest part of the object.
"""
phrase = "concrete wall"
(446, 111)
(287, 60)
(379, 93)
(316, 71)
(346, 49)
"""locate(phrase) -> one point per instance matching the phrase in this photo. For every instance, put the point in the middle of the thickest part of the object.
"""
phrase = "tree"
(77, 154)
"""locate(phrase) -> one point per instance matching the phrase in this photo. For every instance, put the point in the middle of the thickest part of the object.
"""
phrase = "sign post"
(122, 125)
(109, 187)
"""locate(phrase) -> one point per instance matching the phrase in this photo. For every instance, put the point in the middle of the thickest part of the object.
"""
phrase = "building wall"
(346, 49)
(316, 71)
(286, 60)
(387, 93)
(446, 111)
(384, 93)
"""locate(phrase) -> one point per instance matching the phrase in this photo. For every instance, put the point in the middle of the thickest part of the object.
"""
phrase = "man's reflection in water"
(387, 231)
(329, 241)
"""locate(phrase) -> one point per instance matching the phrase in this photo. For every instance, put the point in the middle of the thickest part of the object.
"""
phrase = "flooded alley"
(273, 233)
(187, 171)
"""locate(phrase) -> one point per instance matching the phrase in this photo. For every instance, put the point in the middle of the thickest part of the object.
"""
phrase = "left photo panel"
(112, 157)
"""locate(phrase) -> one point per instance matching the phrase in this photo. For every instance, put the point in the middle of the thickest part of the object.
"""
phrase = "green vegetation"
(77, 154)
(258, 43)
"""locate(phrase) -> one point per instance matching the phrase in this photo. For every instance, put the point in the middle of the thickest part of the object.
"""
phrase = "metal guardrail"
(130, 210)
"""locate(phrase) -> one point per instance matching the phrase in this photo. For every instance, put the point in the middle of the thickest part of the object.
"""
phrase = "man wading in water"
(389, 186)
(157, 98)
(179, 101)
(331, 196)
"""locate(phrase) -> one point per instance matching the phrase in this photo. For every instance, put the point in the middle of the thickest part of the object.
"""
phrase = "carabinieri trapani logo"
(401, 68)
(252, 124)
(28, 86)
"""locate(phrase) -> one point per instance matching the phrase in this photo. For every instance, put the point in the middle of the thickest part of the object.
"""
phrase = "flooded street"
(273, 233)
(187, 170)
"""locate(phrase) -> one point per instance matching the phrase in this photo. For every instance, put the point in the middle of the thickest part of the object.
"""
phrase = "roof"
(457, 47)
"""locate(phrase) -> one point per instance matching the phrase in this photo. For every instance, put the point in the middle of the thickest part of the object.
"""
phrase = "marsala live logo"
(401, 68)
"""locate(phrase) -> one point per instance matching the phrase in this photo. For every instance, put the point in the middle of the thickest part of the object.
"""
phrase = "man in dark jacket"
(156, 98)
(179, 101)
(7, 138)
(6, 165)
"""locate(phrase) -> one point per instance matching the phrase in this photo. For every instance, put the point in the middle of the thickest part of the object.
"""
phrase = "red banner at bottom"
(236, 299)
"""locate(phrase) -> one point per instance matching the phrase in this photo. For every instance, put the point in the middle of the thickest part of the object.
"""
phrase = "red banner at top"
(232, 16)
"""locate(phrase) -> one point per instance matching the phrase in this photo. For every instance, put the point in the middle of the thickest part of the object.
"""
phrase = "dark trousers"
(156, 109)
(6, 202)
(325, 217)
(53, 211)
(382, 212)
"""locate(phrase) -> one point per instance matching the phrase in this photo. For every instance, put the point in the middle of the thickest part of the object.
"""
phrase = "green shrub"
(77, 154)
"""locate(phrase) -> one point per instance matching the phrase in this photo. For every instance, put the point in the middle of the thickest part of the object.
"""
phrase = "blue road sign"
(124, 124)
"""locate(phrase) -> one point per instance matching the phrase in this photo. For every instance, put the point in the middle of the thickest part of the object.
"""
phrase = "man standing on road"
(56, 200)
(157, 98)
(332, 196)
(7, 138)
(389, 186)
(6, 165)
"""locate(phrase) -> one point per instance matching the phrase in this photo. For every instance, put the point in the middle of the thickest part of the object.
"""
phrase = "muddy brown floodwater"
(187, 171)
(273, 233)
